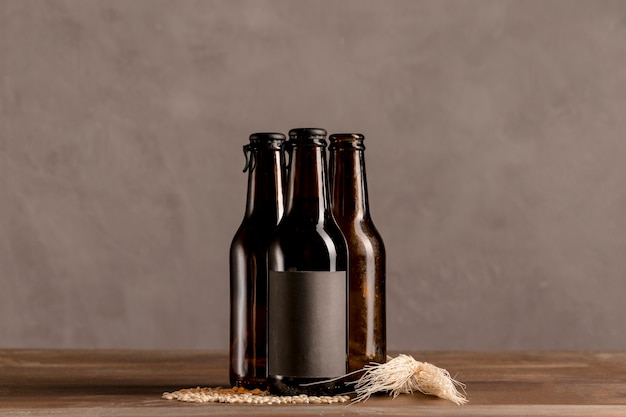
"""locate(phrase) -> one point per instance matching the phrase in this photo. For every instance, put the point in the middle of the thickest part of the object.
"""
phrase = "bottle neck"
(265, 184)
(348, 184)
(307, 183)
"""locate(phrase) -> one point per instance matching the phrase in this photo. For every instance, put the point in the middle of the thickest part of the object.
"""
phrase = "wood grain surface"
(130, 383)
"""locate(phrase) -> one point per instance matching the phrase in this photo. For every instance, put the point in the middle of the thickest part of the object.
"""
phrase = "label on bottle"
(307, 324)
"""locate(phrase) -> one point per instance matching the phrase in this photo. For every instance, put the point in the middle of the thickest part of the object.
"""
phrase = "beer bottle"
(248, 261)
(307, 278)
(366, 273)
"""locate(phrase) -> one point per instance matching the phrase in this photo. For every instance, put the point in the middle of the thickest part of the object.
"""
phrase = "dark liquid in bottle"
(308, 279)
(248, 262)
(366, 274)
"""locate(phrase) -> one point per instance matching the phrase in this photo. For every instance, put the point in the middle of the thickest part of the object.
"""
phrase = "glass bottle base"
(250, 383)
(281, 385)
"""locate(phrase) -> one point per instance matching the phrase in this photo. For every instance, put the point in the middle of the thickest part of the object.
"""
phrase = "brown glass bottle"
(308, 279)
(366, 274)
(248, 261)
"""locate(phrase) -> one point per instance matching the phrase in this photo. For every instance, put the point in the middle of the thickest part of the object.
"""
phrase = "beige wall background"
(496, 162)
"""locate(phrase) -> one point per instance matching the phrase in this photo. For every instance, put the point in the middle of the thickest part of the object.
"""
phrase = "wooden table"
(130, 383)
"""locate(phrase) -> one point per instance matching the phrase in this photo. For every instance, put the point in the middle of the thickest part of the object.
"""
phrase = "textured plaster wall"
(496, 135)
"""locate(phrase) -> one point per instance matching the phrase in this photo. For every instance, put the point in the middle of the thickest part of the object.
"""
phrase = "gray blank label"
(307, 324)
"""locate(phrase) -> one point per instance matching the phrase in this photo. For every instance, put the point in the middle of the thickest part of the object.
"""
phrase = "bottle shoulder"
(302, 246)
(359, 225)
(308, 235)
(252, 232)
(297, 222)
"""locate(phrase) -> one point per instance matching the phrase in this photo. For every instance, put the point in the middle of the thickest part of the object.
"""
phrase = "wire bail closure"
(250, 160)
(286, 159)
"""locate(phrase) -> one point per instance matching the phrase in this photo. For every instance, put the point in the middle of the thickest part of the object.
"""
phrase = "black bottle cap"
(307, 132)
(261, 141)
(266, 136)
(308, 136)
(272, 140)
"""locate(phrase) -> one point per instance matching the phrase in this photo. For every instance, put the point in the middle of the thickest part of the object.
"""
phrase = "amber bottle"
(248, 261)
(308, 278)
(366, 274)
